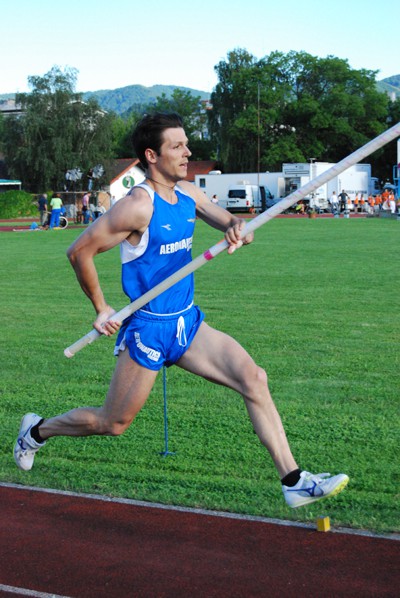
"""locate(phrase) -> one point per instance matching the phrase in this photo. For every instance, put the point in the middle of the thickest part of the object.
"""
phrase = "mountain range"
(122, 99)
(390, 85)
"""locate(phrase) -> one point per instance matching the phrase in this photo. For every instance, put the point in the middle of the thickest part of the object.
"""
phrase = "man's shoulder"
(187, 188)
(139, 193)
(137, 204)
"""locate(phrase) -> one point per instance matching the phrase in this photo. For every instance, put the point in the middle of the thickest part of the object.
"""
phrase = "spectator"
(392, 202)
(42, 205)
(85, 208)
(56, 205)
(93, 206)
(343, 197)
(371, 203)
(334, 203)
(90, 179)
(385, 197)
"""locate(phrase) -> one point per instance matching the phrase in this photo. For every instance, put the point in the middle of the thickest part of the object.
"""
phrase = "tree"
(290, 108)
(334, 108)
(1, 132)
(233, 119)
(2, 135)
(56, 132)
(122, 129)
(386, 158)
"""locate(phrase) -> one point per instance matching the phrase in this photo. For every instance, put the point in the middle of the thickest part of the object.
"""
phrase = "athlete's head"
(149, 132)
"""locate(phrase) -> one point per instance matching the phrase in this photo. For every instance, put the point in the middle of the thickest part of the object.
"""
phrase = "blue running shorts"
(154, 340)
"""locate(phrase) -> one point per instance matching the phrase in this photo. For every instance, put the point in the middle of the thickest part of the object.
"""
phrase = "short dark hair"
(148, 132)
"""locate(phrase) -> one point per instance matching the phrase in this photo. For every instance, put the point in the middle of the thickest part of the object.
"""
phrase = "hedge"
(17, 204)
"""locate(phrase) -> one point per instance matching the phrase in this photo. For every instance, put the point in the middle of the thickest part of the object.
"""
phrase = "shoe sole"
(334, 492)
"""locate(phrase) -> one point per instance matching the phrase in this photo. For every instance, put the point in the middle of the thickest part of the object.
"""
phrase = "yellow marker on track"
(323, 524)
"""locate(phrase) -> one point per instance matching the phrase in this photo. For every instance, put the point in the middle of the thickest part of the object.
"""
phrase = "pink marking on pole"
(208, 255)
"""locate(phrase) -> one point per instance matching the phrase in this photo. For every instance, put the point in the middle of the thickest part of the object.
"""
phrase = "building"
(198, 167)
(8, 107)
(122, 175)
(7, 185)
(125, 173)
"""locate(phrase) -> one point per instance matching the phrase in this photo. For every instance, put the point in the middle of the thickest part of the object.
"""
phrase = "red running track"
(55, 544)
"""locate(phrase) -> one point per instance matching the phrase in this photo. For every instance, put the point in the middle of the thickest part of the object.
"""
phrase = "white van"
(246, 198)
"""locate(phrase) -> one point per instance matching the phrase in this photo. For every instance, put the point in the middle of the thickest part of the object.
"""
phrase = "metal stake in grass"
(208, 255)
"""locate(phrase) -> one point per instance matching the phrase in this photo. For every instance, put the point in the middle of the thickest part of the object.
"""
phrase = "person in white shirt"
(334, 202)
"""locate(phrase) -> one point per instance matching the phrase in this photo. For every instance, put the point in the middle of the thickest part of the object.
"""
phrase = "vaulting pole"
(251, 226)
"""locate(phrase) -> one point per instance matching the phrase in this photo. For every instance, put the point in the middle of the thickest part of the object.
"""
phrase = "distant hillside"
(394, 81)
(122, 99)
(390, 85)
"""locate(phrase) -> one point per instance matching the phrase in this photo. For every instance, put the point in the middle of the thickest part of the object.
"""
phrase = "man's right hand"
(104, 322)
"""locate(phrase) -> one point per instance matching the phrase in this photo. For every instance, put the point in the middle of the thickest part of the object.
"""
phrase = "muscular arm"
(128, 218)
(217, 217)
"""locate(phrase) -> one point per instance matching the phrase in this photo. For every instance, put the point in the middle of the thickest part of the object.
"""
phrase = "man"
(343, 198)
(334, 202)
(85, 208)
(42, 206)
(154, 226)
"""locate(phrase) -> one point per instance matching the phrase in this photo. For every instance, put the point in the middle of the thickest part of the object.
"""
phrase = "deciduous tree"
(55, 132)
(290, 108)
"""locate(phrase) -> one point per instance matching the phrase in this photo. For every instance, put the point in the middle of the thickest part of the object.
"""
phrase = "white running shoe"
(26, 447)
(312, 487)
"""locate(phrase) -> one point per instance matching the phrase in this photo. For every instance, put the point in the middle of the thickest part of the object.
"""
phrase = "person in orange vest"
(371, 203)
(392, 202)
(378, 201)
(362, 203)
(356, 203)
(385, 200)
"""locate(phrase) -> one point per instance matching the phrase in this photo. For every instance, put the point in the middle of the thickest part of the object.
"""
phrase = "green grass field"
(316, 304)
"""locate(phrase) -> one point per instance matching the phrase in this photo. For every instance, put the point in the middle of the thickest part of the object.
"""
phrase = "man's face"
(174, 154)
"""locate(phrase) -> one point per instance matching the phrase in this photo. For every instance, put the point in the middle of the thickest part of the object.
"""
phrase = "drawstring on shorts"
(181, 332)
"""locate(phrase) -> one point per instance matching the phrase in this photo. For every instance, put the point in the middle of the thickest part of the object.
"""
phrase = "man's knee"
(255, 382)
(112, 427)
(262, 377)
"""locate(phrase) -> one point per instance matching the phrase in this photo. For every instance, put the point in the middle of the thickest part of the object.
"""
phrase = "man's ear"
(151, 155)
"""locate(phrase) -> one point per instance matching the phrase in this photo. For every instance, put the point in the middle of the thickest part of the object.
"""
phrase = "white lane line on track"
(151, 505)
(26, 592)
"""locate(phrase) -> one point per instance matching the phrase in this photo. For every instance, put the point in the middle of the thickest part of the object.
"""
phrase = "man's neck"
(165, 190)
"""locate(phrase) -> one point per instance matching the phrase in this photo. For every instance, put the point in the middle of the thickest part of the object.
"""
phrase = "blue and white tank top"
(164, 248)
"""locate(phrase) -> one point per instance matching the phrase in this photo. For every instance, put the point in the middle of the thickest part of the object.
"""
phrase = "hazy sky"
(119, 43)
